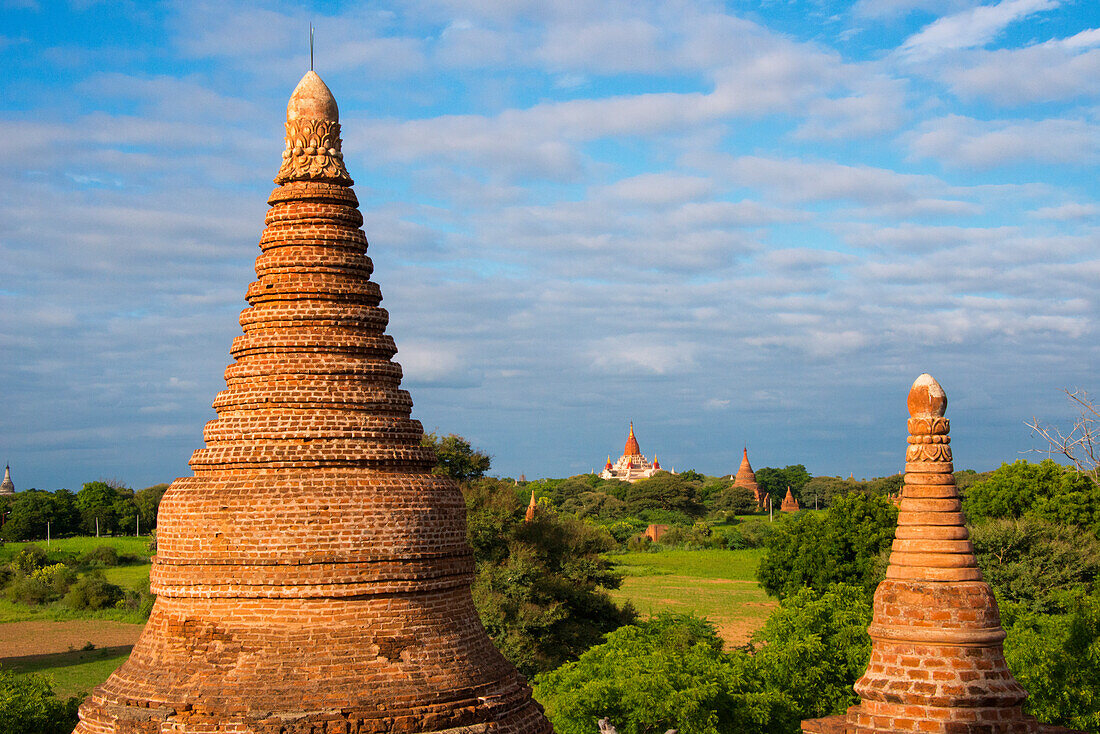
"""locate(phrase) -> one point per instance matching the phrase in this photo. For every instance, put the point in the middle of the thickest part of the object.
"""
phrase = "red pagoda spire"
(936, 660)
(631, 448)
(656, 464)
(746, 478)
(313, 574)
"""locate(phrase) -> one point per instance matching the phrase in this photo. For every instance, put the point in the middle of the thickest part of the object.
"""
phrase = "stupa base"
(391, 664)
(906, 719)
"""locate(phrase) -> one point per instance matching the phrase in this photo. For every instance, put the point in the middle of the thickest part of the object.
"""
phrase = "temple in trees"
(313, 575)
(746, 478)
(632, 465)
(7, 486)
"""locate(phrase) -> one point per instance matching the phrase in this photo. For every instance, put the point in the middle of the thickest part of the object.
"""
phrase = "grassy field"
(717, 584)
(73, 547)
(128, 576)
(73, 673)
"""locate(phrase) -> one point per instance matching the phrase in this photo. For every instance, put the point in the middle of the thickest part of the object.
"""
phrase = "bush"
(28, 706)
(755, 534)
(842, 545)
(640, 544)
(103, 556)
(29, 560)
(44, 585)
(93, 591)
(1056, 658)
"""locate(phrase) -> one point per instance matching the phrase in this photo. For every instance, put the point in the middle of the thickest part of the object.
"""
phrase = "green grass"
(73, 547)
(57, 612)
(129, 577)
(73, 673)
(739, 565)
(717, 584)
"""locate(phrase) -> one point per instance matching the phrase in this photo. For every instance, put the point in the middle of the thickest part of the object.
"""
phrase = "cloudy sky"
(741, 223)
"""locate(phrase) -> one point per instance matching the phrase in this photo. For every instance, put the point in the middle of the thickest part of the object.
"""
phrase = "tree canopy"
(456, 458)
(842, 545)
(539, 585)
(1046, 490)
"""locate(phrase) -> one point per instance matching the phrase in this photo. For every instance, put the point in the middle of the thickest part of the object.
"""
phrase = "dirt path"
(22, 639)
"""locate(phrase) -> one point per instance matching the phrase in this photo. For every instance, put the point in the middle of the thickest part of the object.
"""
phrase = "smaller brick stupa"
(937, 664)
(532, 506)
(7, 486)
(746, 478)
(789, 504)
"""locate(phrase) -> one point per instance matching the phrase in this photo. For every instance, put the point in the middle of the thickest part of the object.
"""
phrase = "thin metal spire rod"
(311, 47)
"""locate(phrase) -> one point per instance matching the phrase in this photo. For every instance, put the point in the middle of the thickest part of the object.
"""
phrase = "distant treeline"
(103, 508)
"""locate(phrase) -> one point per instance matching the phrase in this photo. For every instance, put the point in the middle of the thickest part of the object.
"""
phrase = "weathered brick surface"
(313, 575)
(746, 478)
(936, 664)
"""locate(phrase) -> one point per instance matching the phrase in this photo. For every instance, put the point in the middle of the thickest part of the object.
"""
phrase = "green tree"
(147, 502)
(30, 512)
(825, 489)
(664, 491)
(1034, 564)
(1056, 658)
(28, 706)
(775, 482)
(456, 458)
(1046, 490)
(737, 500)
(539, 585)
(815, 647)
(841, 546)
(668, 672)
(110, 507)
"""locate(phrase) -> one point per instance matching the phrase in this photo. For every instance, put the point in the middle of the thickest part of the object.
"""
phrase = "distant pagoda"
(746, 478)
(632, 465)
(313, 576)
(7, 486)
(789, 504)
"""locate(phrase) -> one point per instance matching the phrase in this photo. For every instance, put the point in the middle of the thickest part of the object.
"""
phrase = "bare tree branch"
(1078, 445)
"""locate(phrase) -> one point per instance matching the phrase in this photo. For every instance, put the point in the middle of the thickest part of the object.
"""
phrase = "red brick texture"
(313, 576)
(936, 664)
(746, 478)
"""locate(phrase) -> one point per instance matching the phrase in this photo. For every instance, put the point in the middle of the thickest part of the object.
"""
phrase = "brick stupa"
(937, 664)
(746, 478)
(313, 576)
(789, 504)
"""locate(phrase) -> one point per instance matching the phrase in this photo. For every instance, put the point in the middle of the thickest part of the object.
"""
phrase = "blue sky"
(749, 223)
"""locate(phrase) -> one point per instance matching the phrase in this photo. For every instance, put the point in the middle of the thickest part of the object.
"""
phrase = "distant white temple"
(632, 465)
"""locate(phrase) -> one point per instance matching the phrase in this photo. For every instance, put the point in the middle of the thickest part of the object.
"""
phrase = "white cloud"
(1060, 69)
(959, 141)
(1068, 212)
(969, 28)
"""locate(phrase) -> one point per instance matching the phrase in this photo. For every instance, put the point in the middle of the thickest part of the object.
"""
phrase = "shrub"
(93, 591)
(45, 584)
(102, 556)
(28, 706)
(29, 560)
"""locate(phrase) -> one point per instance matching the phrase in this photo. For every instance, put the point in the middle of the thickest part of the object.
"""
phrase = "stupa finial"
(313, 135)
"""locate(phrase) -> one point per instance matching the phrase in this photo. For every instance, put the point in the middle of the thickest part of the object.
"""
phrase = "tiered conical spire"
(7, 486)
(936, 660)
(789, 504)
(313, 574)
(631, 448)
(746, 477)
(532, 506)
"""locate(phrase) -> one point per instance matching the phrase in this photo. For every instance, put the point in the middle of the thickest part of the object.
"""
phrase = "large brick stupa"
(313, 575)
(937, 664)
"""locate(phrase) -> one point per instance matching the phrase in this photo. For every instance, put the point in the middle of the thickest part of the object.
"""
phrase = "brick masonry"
(313, 576)
(937, 664)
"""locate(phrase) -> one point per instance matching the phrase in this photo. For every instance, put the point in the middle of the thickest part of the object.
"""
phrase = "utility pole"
(771, 515)
(137, 526)
(47, 533)
(97, 526)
